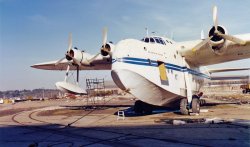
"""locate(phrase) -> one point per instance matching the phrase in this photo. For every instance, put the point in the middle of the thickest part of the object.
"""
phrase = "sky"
(35, 31)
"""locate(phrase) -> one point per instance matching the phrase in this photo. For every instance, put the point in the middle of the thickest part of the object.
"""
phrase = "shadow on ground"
(117, 135)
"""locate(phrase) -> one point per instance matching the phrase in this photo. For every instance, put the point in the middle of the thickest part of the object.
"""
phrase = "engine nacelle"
(78, 54)
(217, 43)
(107, 50)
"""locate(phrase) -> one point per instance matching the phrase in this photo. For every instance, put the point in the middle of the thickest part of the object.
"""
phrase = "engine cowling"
(217, 43)
(107, 49)
(77, 54)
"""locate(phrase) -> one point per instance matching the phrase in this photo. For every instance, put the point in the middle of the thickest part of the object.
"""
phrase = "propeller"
(105, 46)
(70, 42)
(67, 73)
(88, 62)
(74, 59)
(215, 18)
(199, 45)
(224, 36)
(69, 54)
(232, 38)
(59, 61)
(68, 50)
(104, 36)
(218, 33)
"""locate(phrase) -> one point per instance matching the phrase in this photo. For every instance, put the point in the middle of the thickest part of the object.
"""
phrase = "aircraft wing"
(226, 70)
(232, 78)
(101, 64)
(236, 77)
(199, 54)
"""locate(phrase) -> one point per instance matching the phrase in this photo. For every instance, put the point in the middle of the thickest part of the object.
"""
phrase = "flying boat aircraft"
(157, 70)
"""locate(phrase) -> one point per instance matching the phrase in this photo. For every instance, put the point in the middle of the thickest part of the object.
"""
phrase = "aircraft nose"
(122, 49)
(117, 79)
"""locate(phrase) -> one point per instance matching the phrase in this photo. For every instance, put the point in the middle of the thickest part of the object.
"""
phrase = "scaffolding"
(95, 90)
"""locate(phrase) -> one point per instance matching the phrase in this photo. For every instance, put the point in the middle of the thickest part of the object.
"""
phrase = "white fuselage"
(136, 69)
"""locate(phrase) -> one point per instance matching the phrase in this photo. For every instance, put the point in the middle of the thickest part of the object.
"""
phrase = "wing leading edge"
(205, 55)
(51, 65)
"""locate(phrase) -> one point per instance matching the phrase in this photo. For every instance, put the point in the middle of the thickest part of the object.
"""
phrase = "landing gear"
(195, 104)
(184, 106)
(141, 107)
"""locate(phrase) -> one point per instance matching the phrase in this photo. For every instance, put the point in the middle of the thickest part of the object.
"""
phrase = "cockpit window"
(157, 40)
(152, 40)
(162, 42)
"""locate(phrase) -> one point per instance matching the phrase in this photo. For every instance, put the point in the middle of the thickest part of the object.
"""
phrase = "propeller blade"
(59, 61)
(215, 18)
(68, 68)
(93, 58)
(88, 62)
(199, 45)
(70, 42)
(104, 35)
(76, 61)
(232, 38)
(67, 73)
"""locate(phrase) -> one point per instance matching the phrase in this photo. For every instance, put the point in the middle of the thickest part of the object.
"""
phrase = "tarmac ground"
(65, 122)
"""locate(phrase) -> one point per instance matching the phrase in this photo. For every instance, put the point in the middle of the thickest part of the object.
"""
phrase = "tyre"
(141, 108)
(183, 106)
(195, 105)
(138, 107)
(147, 108)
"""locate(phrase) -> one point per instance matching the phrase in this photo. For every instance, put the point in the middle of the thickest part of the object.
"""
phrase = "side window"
(146, 39)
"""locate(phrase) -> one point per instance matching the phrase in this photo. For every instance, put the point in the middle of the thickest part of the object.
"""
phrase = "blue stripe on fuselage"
(148, 62)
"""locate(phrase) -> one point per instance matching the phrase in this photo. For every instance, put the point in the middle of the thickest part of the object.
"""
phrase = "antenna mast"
(146, 31)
